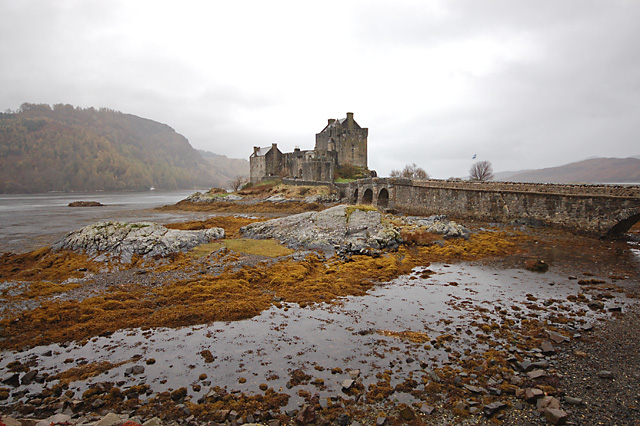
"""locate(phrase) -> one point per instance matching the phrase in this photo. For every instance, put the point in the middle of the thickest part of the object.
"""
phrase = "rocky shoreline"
(526, 361)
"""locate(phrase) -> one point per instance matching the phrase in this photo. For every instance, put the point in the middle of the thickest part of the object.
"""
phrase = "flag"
(474, 157)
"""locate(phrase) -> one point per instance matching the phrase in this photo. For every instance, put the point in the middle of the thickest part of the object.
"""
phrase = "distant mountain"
(226, 168)
(63, 148)
(592, 170)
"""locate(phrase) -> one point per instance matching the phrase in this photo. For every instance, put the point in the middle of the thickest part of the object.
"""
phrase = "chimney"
(274, 146)
(349, 120)
(255, 150)
(331, 121)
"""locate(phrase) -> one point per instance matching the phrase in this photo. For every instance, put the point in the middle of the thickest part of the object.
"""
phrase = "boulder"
(348, 229)
(106, 240)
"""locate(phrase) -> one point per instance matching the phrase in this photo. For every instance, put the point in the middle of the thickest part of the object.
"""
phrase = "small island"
(85, 204)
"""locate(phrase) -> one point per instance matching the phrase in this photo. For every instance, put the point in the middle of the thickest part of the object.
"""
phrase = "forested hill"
(63, 148)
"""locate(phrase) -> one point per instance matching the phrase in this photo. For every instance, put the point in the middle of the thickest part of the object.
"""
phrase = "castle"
(342, 142)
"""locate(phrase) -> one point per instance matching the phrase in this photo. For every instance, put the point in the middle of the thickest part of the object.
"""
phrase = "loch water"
(30, 221)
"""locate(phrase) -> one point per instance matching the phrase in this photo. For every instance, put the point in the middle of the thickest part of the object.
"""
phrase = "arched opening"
(623, 226)
(367, 197)
(383, 198)
(354, 200)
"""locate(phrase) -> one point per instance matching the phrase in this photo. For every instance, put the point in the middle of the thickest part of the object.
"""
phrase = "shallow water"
(356, 333)
(30, 221)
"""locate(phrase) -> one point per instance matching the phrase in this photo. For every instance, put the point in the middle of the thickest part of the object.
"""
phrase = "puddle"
(392, 328)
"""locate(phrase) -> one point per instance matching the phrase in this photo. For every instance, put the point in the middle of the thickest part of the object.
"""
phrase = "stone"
(557, 337)
(572, 401)
(306, 415)
(605, 374)
(134, 370)
(97, 403)
(10, 421)
(12, 380)
(354, 374)
(109, 420)
(595, 305)
(532, 394)
(426, 409)
(525, 365)
(536, 374)
(493, 408)
(547, 402)
(555, 416)
(273, 422)
(547, 348)
(346, 384)
(29, 377)
(343, 420)
(381, 420)
(461, 406)
(57, 418)
(407, 413)
(475, 389)
(543, 363)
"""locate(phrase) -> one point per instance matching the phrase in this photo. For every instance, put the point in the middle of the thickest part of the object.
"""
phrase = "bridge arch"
(383, 198)
(367, 197)
(354, 198)
(628, 219)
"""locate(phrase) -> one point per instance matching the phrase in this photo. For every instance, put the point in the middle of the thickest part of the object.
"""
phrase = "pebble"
(605, 374)
(572, 401)
(535, 374)
(494, 407)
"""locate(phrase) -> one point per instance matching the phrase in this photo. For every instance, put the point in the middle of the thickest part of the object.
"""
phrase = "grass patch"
(362, 207)
(267, 248)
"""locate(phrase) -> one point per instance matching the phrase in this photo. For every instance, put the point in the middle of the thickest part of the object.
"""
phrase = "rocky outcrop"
(341, 228)
(206, 197)
(123, 240)
(438, 224)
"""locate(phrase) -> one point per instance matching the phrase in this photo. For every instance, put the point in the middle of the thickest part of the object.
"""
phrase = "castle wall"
(597, 209)
(318, 170)
(257, 168)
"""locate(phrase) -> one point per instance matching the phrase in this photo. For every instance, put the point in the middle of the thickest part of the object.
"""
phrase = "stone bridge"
(605, 210)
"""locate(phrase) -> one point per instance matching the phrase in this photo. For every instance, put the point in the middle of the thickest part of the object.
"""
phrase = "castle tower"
(346, 138)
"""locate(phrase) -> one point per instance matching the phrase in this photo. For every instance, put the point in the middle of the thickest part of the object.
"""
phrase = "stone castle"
(342, 142)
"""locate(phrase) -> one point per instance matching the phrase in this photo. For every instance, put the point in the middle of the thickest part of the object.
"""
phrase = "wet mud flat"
(462, 334)
(480, 342)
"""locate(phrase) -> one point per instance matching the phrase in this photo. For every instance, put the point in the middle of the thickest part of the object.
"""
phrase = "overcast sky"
(521, 83)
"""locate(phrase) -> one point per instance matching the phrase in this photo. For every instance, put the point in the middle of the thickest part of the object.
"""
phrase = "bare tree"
(238, 182)
(411, 171)
(482, 171)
